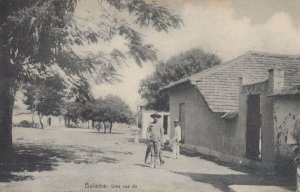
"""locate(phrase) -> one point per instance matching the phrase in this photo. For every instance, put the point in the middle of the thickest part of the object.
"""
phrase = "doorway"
(253, 131)
(182, 120)
(166, 124)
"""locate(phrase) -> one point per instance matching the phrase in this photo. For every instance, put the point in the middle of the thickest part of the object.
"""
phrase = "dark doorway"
(165, 124)
(253, 136)
(182, 120)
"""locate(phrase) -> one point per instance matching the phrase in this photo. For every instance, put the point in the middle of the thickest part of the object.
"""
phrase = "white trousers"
(176, 152)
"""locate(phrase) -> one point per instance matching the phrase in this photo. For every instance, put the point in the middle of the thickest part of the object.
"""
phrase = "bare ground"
(84, 160)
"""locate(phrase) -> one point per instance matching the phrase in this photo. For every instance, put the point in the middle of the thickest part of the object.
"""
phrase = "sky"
(227, 28)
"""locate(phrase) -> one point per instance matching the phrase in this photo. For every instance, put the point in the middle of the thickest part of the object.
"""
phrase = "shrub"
(25, 124)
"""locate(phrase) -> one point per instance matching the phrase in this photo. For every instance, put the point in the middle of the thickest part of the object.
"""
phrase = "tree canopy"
(177, 67)
(108, 110)
(40, 35)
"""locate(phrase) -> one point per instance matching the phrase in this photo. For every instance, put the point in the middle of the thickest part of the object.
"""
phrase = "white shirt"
(177, 133)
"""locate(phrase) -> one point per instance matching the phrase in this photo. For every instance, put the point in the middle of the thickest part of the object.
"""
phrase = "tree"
(93, 111)
(45, 98)
(108, 110)
(101, 113)
(37, 39)
(87, 112)
(177, 67)
(116, 111)
(77, 111)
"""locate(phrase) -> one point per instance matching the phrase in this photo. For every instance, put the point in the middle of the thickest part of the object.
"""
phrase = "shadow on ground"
(31, 157)
(142, 165)
(288, 172)
(251, 177)
(223, 182)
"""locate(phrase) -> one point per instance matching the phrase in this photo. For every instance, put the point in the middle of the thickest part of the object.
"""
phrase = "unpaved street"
(84, 160)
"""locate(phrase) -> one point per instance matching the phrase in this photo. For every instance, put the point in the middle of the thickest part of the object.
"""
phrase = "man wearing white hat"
(156, 133)
(176, 139)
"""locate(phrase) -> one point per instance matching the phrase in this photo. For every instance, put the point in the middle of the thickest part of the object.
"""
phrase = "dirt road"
(84, 160)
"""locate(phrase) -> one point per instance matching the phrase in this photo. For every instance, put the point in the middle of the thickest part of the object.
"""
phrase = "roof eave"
(185, 80)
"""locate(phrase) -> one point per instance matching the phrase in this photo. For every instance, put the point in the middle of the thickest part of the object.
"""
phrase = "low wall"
(227, 157)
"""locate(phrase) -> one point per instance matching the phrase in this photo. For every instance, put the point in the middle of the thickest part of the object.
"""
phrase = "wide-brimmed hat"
(155, 115)
(176, 120)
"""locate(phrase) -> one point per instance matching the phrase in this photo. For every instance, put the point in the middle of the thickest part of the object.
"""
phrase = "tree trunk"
(104, 127)
(69, 120)
(6, 113)
(40, 118)
(7, 87)
(65, 121)
(110, 127)
(32, 119)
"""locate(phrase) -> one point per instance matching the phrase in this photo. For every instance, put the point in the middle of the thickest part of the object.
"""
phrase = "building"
(240, 111)
(48, 121)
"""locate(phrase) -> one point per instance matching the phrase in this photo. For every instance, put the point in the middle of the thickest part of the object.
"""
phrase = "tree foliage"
(117, 111)
(177, 67)
(45, 98)
(108, 110)
(111, 109)
(72, 110)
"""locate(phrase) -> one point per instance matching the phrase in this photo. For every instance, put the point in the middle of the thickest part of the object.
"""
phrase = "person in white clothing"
(176, 140)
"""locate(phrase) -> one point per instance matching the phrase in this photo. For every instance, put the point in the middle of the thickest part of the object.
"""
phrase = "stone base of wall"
(227, 157)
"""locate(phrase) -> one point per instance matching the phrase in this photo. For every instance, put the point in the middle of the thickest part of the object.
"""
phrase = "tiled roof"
(219, 85)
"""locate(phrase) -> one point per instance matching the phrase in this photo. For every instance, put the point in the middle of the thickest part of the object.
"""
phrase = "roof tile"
(219, 85)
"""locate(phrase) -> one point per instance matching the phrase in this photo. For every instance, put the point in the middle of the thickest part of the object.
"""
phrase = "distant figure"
(155, 135)
(295, 142)
(176, 140)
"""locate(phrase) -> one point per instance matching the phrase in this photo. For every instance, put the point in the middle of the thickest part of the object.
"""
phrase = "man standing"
(176, 140)
(295, 142)
(156, 133)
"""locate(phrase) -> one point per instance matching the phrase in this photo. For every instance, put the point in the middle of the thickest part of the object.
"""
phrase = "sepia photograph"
(149, 95)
